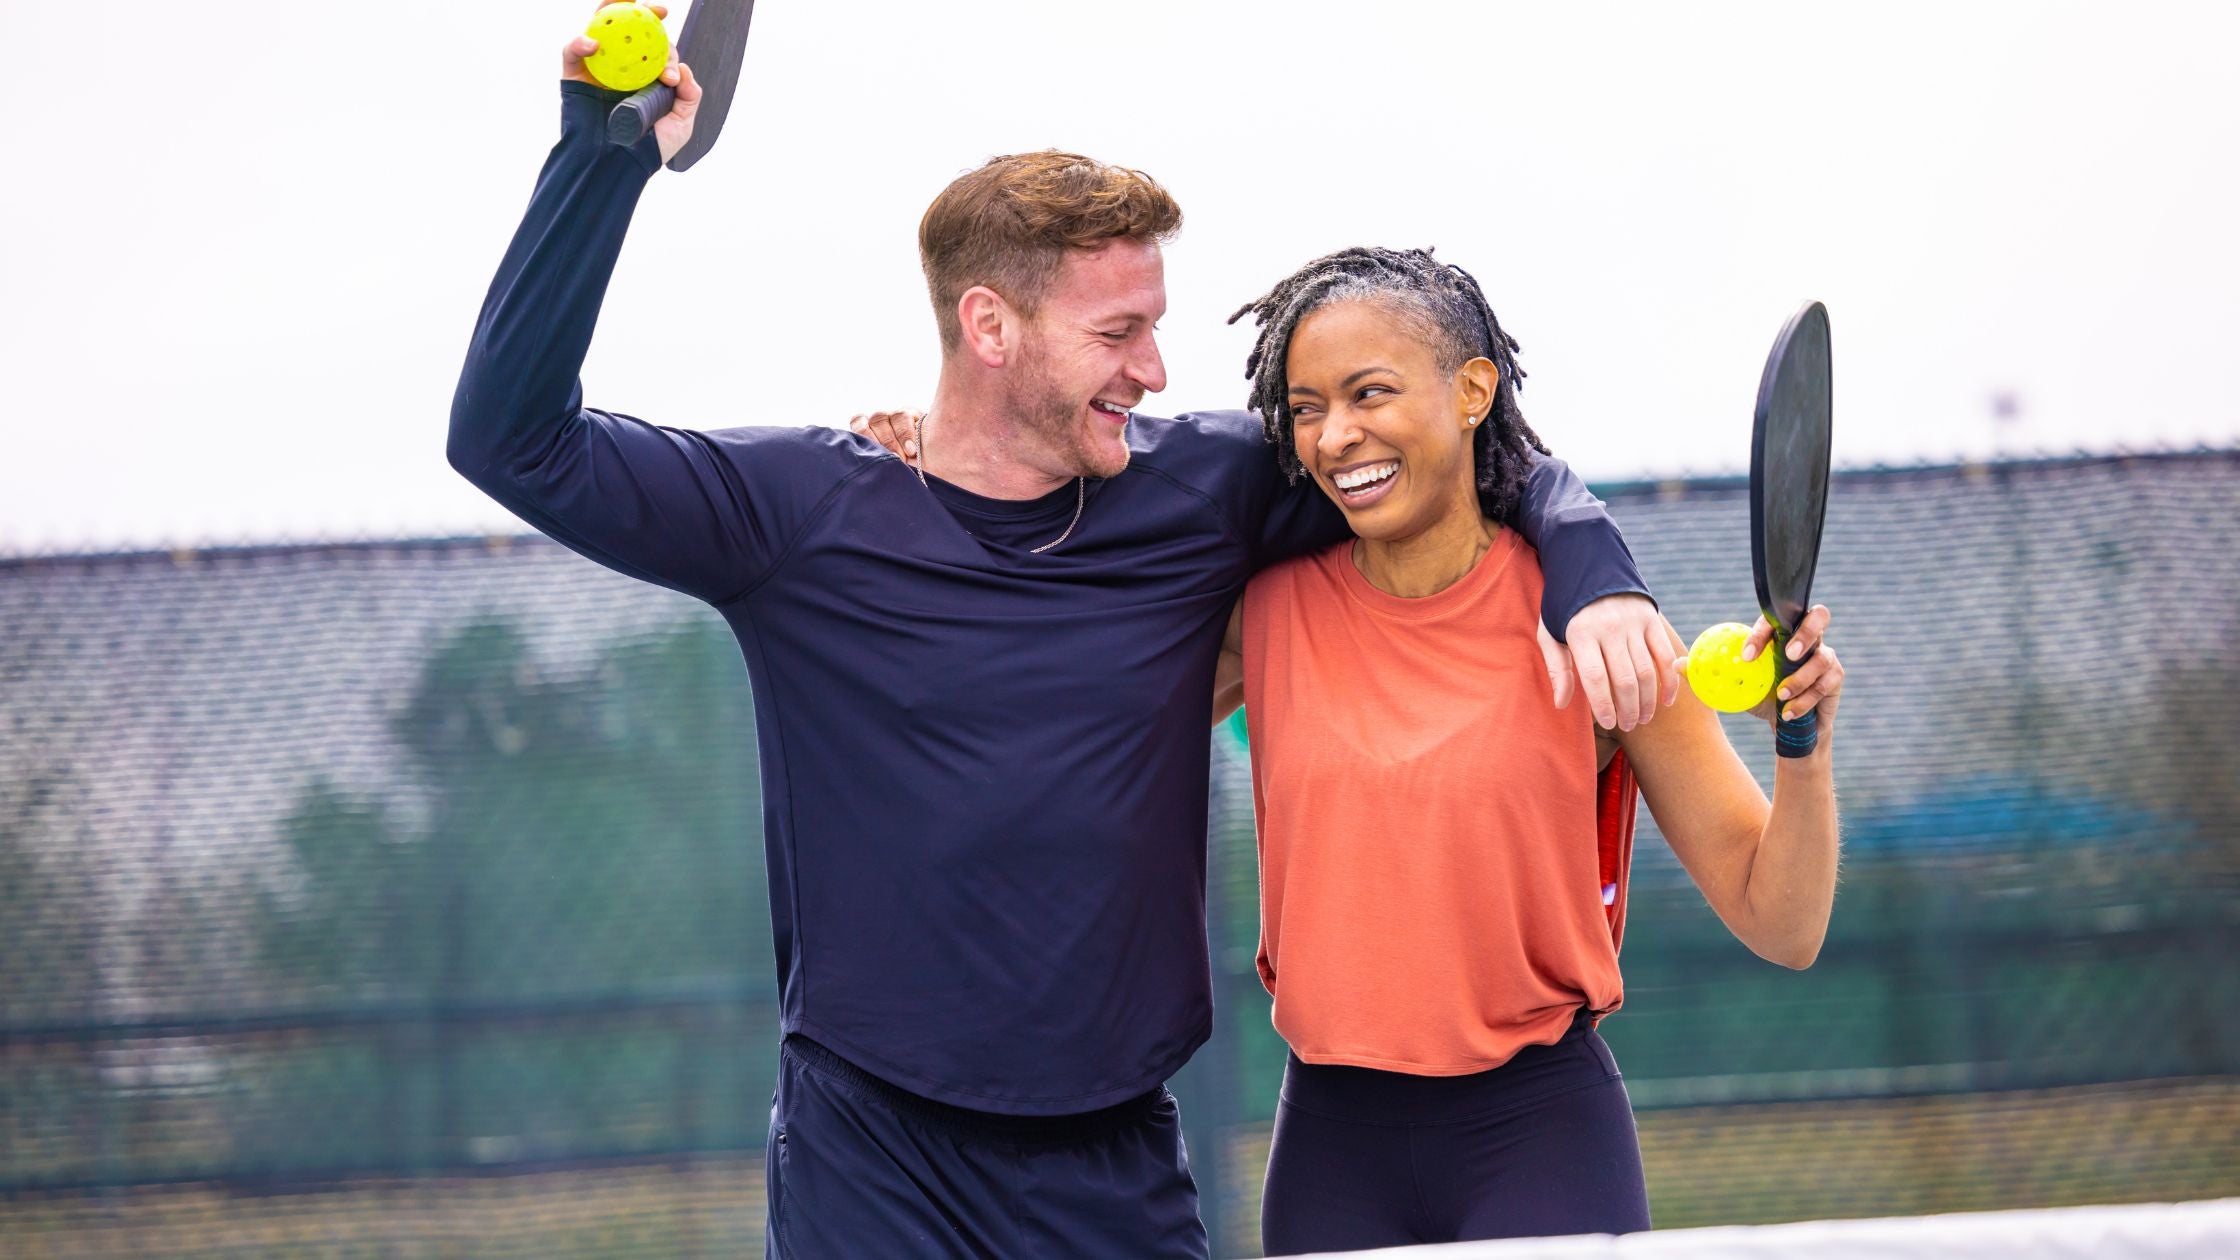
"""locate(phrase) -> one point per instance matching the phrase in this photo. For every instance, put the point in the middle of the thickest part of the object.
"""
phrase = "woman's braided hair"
(1448, 309)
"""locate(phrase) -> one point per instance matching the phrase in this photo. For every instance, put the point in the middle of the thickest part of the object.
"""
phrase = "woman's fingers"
(1809, 633)
(1761, 633)
(894, 430)
(1815, 686)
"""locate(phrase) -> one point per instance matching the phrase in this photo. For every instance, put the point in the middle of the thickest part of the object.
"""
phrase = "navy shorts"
(859, 1167)
(1542, 1145)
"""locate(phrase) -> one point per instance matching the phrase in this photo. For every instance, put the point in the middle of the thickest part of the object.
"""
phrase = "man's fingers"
(1557, 659)
(1761, 633)
(1645, 682)
(1664, 650)
(688, 93)
(1594, 680)
(1620, 682)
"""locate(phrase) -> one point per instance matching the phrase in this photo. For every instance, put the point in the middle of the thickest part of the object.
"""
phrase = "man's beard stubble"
(1043, 408)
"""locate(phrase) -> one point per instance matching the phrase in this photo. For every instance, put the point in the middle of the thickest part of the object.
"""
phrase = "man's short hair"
(1009, 224)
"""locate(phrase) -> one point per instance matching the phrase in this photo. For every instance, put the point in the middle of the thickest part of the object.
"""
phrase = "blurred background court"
(406, 899)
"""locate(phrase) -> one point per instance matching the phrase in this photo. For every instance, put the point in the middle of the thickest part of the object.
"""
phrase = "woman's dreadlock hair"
(1449, 311)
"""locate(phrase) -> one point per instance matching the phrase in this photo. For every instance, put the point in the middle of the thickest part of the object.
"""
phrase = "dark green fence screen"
(406, 899)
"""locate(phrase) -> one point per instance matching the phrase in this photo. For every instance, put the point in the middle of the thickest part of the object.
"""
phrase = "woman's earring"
(1473, 419)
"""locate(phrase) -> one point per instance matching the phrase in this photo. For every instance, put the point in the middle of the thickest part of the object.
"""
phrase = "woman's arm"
(1768, 870)
(1228, 674)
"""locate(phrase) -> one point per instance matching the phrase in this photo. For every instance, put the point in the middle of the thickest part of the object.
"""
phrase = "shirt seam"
(819, 1033)
(1228, 527)
(808, 524)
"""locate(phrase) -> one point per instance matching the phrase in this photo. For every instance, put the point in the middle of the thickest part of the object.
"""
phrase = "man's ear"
(992, 326)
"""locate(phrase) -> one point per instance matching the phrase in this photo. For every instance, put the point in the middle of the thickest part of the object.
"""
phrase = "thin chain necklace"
(1080, 487)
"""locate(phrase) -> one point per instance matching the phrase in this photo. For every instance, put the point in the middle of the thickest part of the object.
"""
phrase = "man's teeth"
(1360, 477)
(1109, 409)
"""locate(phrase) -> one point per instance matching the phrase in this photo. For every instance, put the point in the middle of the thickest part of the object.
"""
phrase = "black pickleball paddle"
(714, 44)
(1789, 493)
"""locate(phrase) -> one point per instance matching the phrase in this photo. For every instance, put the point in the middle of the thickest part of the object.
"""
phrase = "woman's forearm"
(1792, 885)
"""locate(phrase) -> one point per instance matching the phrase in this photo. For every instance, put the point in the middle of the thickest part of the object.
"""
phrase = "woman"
(1439, 925)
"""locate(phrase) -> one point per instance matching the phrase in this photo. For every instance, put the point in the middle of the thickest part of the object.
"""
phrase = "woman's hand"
(1817, 684)
(894, 430)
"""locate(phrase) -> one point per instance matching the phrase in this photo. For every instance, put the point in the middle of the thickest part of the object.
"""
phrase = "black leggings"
(1542, 1145)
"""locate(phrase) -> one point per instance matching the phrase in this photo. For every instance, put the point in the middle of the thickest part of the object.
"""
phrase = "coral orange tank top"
(1442, 877)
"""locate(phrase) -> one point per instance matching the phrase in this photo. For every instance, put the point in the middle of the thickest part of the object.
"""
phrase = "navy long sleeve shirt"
(984, 771)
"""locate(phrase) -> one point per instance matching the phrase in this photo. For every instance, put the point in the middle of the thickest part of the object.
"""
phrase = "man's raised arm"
(660, 504)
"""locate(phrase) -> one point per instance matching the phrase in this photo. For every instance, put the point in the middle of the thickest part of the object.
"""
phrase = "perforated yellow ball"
(1720, 677)
(633, 47)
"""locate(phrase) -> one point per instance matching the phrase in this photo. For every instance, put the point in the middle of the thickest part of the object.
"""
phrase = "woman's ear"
(1475, 385)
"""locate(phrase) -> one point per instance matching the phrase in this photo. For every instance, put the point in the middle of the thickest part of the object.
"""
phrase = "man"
(992, 950)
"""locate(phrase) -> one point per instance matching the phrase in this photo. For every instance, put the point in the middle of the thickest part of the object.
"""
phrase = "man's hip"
(859, 1167)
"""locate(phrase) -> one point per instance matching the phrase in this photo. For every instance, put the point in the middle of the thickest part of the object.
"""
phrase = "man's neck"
(969, 440)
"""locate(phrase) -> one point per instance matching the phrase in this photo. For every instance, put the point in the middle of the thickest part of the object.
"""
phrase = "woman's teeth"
(1360, 478)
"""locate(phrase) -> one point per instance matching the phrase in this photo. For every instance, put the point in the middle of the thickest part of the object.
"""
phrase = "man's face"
(1090, 356)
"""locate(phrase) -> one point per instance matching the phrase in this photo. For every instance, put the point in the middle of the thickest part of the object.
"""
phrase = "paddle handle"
(630, 120)
(1798, 736)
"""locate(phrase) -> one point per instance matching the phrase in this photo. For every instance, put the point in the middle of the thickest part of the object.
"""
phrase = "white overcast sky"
(245, 244)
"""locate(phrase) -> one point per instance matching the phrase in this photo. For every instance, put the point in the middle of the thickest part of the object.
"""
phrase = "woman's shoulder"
(1290, 592)
(1309, 575)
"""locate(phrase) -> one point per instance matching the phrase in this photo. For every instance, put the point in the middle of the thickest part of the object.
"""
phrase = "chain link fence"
(406, 899)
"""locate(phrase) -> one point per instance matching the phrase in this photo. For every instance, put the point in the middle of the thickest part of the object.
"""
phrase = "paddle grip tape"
(630, 120)
(1793, 737)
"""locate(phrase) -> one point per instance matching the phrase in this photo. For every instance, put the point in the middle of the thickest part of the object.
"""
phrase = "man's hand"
(672, 129)
(894, 430)
(1621, 654)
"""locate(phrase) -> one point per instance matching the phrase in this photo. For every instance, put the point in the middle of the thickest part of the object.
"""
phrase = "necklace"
(1080, 487)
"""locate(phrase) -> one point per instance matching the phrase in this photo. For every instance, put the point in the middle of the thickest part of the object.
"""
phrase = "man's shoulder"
(796, 450)
(1201, 445)
(1224, 428)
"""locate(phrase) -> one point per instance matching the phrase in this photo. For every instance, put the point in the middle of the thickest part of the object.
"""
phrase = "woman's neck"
(1429, 562)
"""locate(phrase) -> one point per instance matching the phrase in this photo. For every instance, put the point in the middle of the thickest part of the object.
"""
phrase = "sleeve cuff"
(583, 113)
(1584, 561)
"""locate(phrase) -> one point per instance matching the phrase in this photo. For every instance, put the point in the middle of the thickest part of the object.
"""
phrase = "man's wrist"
(583, 120)
(1585, 559)
(1570, 606)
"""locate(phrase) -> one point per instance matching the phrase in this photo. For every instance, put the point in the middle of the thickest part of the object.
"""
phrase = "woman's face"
(1384, 432)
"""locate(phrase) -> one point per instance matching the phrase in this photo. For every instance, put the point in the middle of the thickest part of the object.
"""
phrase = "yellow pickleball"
(1720, 677)
(633, 47)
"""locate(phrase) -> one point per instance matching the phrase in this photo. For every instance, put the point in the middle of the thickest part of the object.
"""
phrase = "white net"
(2145, 1231)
